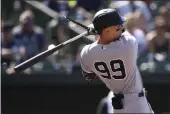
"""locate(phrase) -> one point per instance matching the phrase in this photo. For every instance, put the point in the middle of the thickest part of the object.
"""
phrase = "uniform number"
(112, 64)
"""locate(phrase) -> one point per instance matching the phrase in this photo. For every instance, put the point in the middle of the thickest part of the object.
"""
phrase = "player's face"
(110, 33)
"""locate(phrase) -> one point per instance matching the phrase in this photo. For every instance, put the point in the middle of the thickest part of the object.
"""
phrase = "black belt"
(141, 94)
(117, 100)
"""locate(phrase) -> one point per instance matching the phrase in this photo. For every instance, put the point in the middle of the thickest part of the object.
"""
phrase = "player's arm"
(88, 76)
(86, 72)
(131, 49)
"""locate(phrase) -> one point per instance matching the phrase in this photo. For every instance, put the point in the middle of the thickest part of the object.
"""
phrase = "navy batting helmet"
(106, 18)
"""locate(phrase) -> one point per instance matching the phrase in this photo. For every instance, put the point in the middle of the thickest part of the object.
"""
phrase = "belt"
(140, 94)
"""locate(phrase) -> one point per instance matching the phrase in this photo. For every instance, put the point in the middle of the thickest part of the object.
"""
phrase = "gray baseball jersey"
(114, 63)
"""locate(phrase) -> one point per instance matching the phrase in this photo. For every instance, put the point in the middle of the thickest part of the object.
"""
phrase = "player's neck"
(103, 41)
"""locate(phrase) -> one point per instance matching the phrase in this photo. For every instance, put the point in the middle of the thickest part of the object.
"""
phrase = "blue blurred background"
(55, 85)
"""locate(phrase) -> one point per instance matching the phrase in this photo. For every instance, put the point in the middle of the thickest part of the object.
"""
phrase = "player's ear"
(107, 30)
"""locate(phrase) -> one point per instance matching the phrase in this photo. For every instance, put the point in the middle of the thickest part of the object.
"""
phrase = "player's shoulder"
(129, 41)
(128, 38)
(87, 48)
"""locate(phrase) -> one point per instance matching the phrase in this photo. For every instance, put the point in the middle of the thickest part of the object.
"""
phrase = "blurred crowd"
(22, 38)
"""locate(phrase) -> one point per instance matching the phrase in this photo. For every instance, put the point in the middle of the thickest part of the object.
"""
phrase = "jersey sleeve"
(83, 60)
(86, 71)
(131, 48)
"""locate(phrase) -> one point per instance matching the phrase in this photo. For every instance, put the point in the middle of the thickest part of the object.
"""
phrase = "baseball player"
(112, 58)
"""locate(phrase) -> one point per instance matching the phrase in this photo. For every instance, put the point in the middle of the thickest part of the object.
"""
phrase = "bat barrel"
(28, 63)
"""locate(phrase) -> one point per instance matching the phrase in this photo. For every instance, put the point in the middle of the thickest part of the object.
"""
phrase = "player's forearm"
(88, 76)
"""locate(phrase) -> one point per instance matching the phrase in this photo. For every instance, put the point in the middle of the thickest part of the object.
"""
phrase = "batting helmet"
(106, 18)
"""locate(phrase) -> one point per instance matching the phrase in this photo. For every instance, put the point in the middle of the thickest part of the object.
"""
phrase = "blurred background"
(55, 85)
